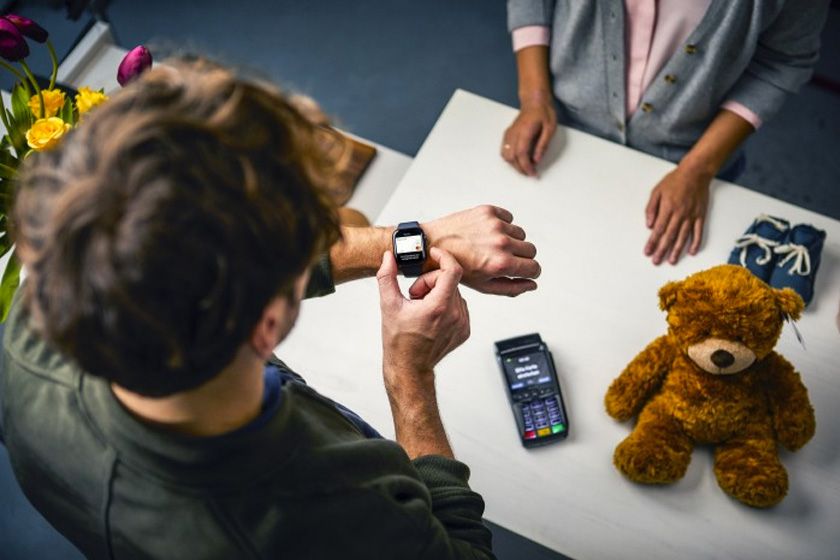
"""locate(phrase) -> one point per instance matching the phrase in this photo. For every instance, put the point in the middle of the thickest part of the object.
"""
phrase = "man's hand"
(676, 213)
(492, 250)
(416, 334)
(525, 141)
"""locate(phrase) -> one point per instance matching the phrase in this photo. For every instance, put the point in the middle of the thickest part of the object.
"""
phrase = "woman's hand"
(525, 141)
(676, 214)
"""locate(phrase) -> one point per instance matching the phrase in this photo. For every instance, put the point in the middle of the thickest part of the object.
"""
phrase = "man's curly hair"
(157, 232)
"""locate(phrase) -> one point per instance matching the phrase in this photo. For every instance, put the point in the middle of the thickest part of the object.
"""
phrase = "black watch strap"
(411, 270)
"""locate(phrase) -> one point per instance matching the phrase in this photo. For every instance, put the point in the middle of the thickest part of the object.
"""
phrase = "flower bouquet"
(37, 120)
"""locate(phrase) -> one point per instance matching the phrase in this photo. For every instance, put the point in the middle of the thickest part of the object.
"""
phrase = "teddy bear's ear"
(790, 302)
(668, 295)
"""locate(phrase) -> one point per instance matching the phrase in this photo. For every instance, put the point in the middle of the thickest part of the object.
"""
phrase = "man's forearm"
(417, 422)
(491, 249)
(359, 253)
(720, 140)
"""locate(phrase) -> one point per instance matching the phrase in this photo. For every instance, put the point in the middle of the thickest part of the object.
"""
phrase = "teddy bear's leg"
(748, 467)
(657, 451)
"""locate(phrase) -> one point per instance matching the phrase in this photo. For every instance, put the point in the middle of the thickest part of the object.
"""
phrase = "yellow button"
(542, 432)
(647, 107)
(670, 78)
(690, 49)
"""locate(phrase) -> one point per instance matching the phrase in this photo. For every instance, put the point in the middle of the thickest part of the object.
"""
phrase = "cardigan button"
(670, 78)
(647, 107)
(690, 49)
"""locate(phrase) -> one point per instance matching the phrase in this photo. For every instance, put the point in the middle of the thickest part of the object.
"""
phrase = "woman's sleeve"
(522, 13)
(784, 58)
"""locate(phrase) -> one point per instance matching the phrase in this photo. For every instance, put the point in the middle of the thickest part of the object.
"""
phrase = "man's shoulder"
(27, 355)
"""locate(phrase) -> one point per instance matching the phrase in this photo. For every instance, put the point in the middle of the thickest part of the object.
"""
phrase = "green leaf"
(6, 157)
(7, 171)
(67, 114)
(9, 285)
(20, 107)
(5, 242)
(16, 135)
(7, 195)
(19, 142)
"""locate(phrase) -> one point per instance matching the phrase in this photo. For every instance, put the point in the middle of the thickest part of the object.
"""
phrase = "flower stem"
(17, 74)
(10, 170)
(5, 117)
(37, 87)
(54, 59)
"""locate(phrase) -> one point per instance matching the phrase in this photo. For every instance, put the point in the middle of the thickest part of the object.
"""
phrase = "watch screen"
(527, 371)
(408, 245)
(412, 244)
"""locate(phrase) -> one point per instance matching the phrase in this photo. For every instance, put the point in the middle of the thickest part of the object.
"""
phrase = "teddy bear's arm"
(791, 410)
(639, 380)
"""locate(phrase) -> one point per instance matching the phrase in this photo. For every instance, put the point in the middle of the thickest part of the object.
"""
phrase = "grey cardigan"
(754, 52)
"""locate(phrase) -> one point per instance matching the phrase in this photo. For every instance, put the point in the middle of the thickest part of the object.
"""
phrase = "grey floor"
(384, 69)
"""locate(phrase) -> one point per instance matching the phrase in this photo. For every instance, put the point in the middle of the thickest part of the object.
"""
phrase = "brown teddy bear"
(715, 379)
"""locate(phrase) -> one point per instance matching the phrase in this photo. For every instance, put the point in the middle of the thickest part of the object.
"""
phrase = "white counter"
(596, 308)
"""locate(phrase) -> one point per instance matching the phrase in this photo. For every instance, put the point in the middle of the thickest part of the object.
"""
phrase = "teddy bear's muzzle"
(721, 357)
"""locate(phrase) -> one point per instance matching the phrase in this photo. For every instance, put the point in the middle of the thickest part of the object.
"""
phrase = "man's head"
(159, 231)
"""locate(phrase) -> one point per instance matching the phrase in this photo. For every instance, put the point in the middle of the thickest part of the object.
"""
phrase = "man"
(168, 243)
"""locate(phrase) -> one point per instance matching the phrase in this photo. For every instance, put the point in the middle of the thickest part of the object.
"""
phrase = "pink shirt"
(654, 31)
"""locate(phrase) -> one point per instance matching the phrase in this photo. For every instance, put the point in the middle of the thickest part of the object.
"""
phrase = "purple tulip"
(12, 45)
(28, 28)
(137, 61)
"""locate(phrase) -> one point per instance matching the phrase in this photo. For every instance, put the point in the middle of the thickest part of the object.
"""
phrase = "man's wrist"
(433, 239)
(359, 253)
(409, 386)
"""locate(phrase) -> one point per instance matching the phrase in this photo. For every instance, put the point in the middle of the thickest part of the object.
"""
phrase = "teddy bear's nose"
(722, 358)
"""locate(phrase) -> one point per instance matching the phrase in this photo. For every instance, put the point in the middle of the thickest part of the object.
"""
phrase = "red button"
(530, 434)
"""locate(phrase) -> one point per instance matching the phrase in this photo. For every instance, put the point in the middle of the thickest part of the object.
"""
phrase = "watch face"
(409, 246)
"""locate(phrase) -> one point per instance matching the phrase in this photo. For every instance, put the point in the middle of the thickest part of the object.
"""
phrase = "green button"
(555, 428)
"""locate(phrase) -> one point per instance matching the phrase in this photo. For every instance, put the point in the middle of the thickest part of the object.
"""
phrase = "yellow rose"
(87, 99)
(53, 102)
(45, 133)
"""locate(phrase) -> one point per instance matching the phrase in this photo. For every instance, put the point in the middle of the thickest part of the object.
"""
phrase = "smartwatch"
(409, 248)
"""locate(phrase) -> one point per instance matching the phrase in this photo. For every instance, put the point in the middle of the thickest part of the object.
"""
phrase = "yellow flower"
(87, 99)
(53, 102)
(46, 133)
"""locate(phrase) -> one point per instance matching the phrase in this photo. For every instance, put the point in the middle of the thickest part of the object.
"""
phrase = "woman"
(684, 80)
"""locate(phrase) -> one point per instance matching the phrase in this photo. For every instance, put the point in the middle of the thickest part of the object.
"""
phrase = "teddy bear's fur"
(715, 379)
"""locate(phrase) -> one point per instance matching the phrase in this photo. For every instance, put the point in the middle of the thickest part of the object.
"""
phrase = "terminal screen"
(527, 371)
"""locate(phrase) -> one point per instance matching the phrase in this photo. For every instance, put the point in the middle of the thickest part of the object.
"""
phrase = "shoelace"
(778, 224)
(763, 243)
(749, 239)
(802, 264)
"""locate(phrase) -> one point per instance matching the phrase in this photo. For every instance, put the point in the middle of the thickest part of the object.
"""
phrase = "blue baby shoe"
(798, 260)
(754, 249)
